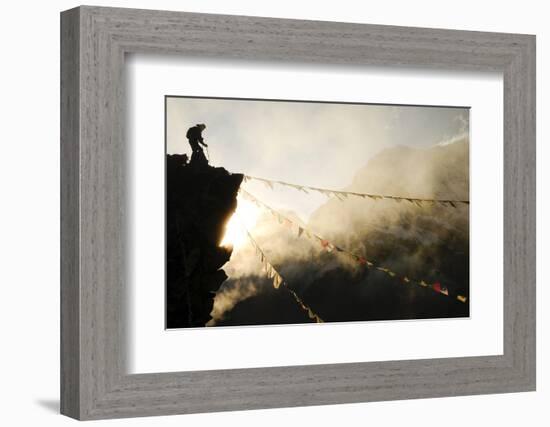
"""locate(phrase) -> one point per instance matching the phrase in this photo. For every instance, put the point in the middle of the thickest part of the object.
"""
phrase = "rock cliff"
(200, 199)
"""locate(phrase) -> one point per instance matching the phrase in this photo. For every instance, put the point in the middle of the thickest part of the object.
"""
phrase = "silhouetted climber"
(194, 135)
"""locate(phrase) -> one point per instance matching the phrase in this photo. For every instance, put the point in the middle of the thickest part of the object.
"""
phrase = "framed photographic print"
(349, 208)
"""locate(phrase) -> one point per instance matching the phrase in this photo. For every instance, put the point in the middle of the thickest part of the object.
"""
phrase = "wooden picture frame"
(94, 382)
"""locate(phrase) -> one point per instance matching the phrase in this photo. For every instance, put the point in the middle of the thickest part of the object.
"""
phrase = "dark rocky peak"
(200, 199)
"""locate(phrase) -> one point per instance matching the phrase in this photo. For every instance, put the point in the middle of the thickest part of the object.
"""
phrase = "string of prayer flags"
(362, 260)
(342, 195)
(310, 313)
(387, 271)
(278, 280)
(330, 247)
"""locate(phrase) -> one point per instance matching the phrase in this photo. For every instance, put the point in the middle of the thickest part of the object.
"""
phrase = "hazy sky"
(319, 144)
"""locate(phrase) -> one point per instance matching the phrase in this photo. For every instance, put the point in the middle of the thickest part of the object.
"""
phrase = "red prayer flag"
(441, 289)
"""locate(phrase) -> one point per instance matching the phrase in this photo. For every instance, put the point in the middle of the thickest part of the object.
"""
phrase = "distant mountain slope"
(439, 171)
(428, 242)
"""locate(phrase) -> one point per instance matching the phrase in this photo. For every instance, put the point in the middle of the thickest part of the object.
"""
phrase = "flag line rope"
(341, 195)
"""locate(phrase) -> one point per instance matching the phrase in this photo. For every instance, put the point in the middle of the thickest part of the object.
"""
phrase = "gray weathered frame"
(94, 41)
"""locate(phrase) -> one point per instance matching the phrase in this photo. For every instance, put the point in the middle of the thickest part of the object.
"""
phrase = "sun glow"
(246, 215)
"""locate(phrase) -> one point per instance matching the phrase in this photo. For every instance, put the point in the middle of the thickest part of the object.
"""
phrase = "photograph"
(296, 211)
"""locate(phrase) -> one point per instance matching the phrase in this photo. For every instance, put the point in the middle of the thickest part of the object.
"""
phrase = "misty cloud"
(230, 294)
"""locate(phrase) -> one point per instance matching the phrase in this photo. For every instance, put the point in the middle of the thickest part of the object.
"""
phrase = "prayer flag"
(441, 289)
(277, 280)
